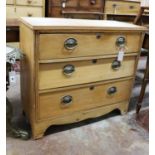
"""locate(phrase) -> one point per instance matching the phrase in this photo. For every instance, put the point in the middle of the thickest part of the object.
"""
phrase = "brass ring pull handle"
(29, 14)
(70, 43)
(68, 70)
(116, 65)
(112, 90)
(120, 41)
(66, 100)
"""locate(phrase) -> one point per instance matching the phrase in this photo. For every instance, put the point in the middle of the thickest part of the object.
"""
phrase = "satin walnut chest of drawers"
(72, 69)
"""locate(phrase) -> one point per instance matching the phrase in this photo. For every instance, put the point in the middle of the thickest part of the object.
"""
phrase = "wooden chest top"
(36, 23)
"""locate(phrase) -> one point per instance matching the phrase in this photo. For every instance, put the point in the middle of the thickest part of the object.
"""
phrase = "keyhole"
(92, 88)
(94, 61)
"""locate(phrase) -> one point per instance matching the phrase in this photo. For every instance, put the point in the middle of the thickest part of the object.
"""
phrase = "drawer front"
(69, 101)
(68, 3)
(11, 12)
(119, 7)
(9, 1)
(30, 2)
(16, 12)
(79, 72)
(77, 3)
(91, 4)
(29, 11)
(57, 11)
(84, 44)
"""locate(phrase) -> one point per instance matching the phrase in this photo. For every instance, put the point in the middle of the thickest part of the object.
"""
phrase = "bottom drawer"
(64, 102)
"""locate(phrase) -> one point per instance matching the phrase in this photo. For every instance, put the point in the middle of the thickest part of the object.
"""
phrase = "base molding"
(39, 128)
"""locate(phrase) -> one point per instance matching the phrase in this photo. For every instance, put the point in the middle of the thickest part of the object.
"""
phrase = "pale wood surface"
(51, 75)
(25, 8)
(9, 1)
(51, 46)
(41, 126)
(50, 105)
(122, 7)
(22, 11)
(30, 2)
(10, 11)
(84, 58)
(60, 24)
(27, 72)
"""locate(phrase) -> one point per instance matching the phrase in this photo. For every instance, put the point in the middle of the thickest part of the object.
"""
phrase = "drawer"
(11, 12)
(77, 45)
(30, 2)
(79, 72)
(21, 11)
(9, 1)
(57, 11)
(89, 4)
(29, 11)
(122, 7)
(68, 3)
(66, 102)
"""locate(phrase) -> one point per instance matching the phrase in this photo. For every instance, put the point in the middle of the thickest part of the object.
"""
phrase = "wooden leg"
(139, 15)
(123, 110)
(38, 131)
(144, 84)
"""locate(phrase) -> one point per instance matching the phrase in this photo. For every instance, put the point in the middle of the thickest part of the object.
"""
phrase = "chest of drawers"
(71, 71)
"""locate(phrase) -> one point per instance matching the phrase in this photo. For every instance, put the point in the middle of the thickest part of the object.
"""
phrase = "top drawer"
(30, 2)
(57, 46)
(121, 7)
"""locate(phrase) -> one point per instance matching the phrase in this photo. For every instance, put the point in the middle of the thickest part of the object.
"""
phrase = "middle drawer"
(62, 74)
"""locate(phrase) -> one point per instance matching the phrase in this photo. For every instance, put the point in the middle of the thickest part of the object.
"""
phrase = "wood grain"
(50, 105)
(79, 24)
(51, 46)
(51, 75)
(9, 1)
(27, 71)
(22, 8)
(39, 127)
